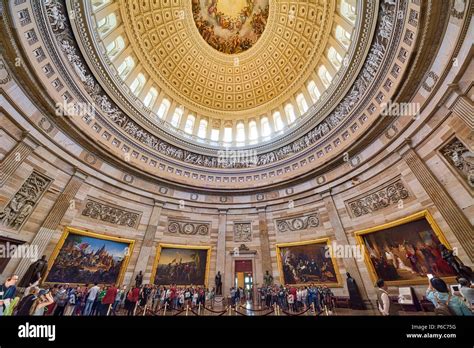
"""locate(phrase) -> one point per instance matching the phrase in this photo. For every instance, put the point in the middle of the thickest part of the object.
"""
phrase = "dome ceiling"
(227, 73)
(231, 26)
(117, 124)
(171, 50)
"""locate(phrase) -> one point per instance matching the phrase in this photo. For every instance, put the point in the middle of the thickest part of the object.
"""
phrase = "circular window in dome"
(231, 26)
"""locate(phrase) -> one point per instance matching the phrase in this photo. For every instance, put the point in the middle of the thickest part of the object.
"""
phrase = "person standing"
(444, 302)
(44, 299)
(119, 298)
(108, 299)
(81, 297)
(91, 296)
(24, 306)
(7, 292)
(383, 300)
(97, 308)
(71, 303)
(467, 292)
(132, 298)
(291, 302)
(61, 299)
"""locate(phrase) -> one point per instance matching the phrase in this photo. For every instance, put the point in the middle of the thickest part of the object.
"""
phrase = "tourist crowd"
(101, 300)
(297, 298)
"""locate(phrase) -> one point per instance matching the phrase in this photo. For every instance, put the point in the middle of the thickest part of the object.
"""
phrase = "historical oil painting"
(405, 251)
(86, 258)
(181, 265)
(307, 263)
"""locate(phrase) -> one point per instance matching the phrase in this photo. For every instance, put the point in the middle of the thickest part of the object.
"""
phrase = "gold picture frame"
(71, 230)
(181, 246)
(425, 214)
(326, 241)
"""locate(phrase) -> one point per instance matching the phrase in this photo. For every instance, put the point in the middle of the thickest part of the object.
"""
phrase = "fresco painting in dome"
(231, 26)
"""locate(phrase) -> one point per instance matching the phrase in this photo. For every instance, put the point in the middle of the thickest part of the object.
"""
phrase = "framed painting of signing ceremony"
(307, 262)
(82, 257)
(181, 265)
(405, 251)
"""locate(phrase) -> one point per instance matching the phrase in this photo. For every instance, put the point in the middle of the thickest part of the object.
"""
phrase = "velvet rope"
(214, 311)
(296, 314)
(179, 312)
(255, 310)
(272, 311)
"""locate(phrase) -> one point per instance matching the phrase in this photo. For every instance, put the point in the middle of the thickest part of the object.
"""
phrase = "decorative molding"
(45, 125)
(458, 8)
(20, 207)
(4, 74)
(430, 81)
(108, 213)
(242, 232)
(188, 228)
(379, 198)
(461, 159)
(298, 223)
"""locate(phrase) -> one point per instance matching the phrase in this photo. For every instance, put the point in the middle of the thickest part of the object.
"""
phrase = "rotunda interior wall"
(366, 176)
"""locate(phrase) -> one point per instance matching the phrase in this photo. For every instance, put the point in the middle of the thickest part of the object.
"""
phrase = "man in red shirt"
(108, 299)
(132, 298)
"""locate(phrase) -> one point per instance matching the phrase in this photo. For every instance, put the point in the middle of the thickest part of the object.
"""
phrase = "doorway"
(243, 277)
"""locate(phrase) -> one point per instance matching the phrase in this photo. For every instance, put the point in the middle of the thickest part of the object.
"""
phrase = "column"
(264, 241)
(146, 249)
(220, 252)
(464, 109)
(451, 213)
(341, 237)
(16, 156)
(53, 219)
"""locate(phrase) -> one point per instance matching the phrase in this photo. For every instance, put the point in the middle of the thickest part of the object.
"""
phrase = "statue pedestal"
(219, 302)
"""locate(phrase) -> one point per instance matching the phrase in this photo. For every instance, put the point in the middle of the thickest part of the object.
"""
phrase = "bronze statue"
(139, 279)
(268, 279)
(218, 283)
(456, 264)
(36, 271)
(355, 299)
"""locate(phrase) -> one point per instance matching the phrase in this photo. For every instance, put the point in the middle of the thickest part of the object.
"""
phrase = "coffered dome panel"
(174, 54)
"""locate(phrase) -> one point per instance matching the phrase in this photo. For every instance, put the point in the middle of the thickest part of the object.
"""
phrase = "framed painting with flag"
(181, 265)
(83, 257)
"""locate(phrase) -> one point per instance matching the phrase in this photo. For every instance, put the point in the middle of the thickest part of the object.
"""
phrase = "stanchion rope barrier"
(272, 311)
(299, 313)
(255, 310)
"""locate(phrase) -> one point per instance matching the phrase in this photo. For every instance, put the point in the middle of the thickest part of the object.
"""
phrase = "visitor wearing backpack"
(444, 302)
